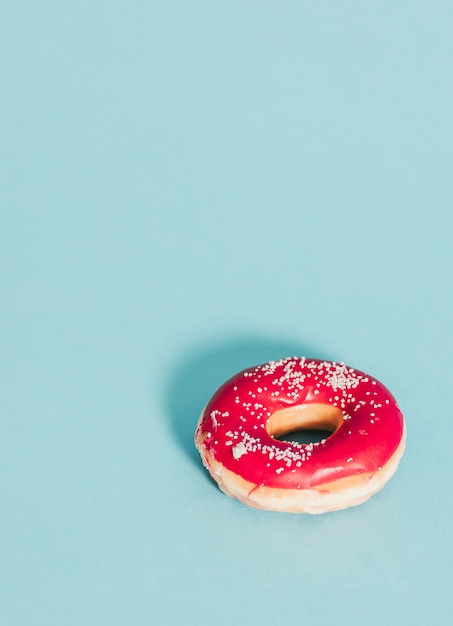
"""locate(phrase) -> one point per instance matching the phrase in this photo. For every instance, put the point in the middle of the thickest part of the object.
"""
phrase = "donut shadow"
(205, 369)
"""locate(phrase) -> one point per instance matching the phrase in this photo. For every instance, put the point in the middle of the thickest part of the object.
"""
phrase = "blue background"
(187, 189)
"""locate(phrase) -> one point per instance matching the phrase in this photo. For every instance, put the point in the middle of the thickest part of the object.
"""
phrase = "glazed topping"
(237, 432)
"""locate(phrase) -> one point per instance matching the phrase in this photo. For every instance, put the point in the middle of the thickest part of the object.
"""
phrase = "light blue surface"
(188, 189)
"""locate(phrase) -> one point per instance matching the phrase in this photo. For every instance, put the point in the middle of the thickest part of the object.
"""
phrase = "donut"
(242, 437)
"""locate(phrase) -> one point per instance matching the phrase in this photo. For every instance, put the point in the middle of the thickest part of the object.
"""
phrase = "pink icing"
(234, 424)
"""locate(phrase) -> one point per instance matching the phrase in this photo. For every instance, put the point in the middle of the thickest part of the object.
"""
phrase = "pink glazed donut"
(237, 436)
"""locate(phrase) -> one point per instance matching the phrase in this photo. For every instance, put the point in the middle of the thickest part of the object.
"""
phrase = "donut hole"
(305, 435)
(306, 423)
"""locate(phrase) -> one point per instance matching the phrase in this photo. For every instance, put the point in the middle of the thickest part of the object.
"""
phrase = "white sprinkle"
(238, 450)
